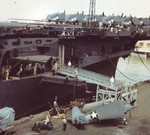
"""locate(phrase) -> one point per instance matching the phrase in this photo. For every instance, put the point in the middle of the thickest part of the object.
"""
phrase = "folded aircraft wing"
(91, 106)
(113, 110)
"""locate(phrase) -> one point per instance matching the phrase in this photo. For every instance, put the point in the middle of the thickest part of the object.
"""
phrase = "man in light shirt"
(64, 124)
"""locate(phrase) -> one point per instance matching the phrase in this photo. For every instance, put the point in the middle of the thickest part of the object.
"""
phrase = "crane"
(91, 15)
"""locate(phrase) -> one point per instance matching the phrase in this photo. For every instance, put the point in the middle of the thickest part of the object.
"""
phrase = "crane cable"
(142, 61)
(16, 64)
(128, 62)
(120, 71)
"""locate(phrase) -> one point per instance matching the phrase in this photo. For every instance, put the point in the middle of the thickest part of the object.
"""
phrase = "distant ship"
(143, 47)
(96, 48)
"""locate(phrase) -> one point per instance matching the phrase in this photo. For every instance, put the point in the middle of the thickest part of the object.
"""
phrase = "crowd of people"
(29, 68)
(22, 70)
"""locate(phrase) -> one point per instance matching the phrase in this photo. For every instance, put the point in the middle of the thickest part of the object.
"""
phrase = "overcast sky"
(39, 9)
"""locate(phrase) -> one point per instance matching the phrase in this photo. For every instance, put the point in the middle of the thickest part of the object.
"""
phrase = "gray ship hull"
(30, 95)
(107, 67)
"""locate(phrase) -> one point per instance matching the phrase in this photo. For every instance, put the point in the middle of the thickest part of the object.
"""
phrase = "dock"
(105, 91)
(138, 123)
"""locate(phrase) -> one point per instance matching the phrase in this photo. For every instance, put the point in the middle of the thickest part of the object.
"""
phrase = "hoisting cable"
(120, 71)
(142, 61)
(74, 90)
(16, 64)
(128, 63)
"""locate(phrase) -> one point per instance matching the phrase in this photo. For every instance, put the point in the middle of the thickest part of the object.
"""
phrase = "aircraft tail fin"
(78, 117)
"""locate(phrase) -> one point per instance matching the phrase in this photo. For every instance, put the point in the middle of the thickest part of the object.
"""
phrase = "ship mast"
(91, 15)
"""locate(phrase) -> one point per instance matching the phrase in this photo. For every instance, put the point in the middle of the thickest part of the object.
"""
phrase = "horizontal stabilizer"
(78, 117)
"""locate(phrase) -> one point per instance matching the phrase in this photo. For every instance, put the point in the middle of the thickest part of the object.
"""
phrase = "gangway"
(105, 91)
(90, 77)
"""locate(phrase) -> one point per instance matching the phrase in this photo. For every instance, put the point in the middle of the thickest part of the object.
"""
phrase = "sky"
(39, 9)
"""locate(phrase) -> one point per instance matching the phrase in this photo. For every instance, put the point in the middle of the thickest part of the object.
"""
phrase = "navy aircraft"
(114, 110)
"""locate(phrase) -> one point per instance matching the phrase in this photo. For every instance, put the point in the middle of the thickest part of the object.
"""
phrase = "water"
(133, 69)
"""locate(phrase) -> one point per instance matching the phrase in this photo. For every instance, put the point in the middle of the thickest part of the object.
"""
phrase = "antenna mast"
(91, 16)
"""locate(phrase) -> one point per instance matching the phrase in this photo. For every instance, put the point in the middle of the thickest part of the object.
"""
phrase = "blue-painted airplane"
(113, 110)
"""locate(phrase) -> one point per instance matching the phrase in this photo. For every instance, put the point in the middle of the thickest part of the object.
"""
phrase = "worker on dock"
(69, 63)
(47, 119)
(64, 124)
(112, 80)
(55, 104)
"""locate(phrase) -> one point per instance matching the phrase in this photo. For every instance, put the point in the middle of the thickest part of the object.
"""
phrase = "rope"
(74, 89)
(142, 61)
(16, 64)
(128, 63)
(120, 71)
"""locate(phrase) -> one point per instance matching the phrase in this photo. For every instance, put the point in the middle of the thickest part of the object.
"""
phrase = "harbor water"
(134, 68)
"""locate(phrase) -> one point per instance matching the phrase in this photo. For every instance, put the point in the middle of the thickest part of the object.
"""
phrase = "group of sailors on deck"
(29, 68)
(22, 70)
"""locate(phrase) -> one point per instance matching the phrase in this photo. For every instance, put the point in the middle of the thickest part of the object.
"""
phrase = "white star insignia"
(93, 115)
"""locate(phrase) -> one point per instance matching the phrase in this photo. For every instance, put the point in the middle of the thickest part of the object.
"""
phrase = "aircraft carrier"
(90, 44)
